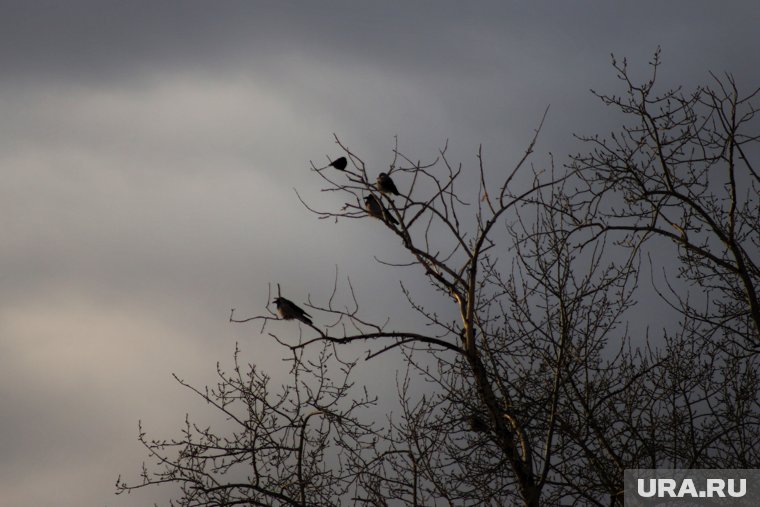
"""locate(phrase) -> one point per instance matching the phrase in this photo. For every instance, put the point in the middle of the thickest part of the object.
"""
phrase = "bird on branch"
(288, 310)
(339, 163)
(477, 423)
(385, 184)
(376, 209)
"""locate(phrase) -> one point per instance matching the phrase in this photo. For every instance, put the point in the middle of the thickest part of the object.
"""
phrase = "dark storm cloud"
(474, 65)
(99, 39)
(102, 39)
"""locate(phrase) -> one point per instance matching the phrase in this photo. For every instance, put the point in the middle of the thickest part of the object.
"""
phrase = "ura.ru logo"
(714, 488)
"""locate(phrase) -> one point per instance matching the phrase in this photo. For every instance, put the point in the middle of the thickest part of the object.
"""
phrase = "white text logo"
(662, 488)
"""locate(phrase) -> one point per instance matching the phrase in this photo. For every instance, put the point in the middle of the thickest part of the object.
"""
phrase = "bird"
(376, 209)
(288, 310)
(385, 184)
(339, 163)
(476, 423)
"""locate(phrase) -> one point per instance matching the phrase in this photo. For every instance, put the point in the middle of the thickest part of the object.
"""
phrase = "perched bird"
(477, 424)
(339, 163)
(376, 209)
(288, 310)
(385, 184)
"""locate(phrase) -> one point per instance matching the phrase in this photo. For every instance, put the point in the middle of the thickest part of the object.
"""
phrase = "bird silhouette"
(376, 209)
(476, 423)
(339, 163)
(385, 184)
(288, 310)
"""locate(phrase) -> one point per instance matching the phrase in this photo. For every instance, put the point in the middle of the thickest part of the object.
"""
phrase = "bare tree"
(534, 391)
(272, 447)
(678, 186)
(683, 170)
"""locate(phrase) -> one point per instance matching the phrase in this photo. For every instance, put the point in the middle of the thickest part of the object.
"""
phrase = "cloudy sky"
(149, 152)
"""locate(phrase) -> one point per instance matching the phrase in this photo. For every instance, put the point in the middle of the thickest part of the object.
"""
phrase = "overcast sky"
(149, 151)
